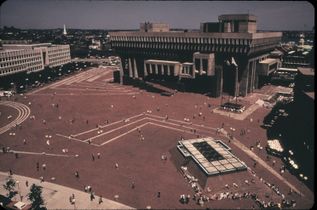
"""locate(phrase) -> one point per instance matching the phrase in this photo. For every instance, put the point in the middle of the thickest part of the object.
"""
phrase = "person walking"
(100, 200)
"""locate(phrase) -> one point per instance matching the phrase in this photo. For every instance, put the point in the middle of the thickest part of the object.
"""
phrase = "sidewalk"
(57, 196)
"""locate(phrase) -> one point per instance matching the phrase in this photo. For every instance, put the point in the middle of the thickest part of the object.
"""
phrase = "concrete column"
(121, 73)
(254, 82)
(135, 68)
(244, 83)
(200, 66)
(145, 70)
(130, 68)
(156, 69)
(236, 83)
(168, 70)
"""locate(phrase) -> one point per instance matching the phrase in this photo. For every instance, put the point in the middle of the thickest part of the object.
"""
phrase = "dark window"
(197, 64)
(159, 68)
(165, 69)
(153, 67)
(205, 64)
(148, 67)
(172, 70)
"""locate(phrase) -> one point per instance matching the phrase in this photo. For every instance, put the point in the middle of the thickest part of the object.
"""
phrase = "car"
(165, 93)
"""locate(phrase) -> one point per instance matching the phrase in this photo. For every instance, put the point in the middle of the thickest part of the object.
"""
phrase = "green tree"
(35, 196)
(10, 187)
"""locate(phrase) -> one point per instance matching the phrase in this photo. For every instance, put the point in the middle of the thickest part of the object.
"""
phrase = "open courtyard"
(115, 136)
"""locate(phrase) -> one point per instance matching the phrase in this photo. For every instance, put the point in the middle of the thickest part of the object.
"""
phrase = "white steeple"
(64, 31)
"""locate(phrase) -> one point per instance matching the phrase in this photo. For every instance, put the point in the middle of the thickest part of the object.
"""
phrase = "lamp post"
(236, 84)
(26, 82)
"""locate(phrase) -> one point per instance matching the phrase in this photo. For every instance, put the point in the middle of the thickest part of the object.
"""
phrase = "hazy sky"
(102, 14)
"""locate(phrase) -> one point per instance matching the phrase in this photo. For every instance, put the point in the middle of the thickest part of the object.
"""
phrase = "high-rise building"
(221, 57)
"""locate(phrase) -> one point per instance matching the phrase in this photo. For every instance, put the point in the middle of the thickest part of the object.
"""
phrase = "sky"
(103, 14)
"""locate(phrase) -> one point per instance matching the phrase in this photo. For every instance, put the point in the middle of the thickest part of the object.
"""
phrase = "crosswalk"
(23, 113)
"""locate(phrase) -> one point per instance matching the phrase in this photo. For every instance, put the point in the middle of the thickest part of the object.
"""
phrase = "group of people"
(201, 198)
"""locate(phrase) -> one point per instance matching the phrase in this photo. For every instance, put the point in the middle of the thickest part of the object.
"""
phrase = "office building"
(16, 58)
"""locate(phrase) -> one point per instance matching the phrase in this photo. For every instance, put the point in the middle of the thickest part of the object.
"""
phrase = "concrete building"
(236, 40)
(15, 58)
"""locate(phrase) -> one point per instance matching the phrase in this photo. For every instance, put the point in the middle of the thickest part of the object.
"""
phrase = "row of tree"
(35, 194)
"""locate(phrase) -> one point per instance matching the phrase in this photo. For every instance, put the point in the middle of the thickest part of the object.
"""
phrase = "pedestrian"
(158, 194)
(92, 196)
(93, 157)
(273, 162)
(116, 165)
(10, 172)
(76, 174)
(100, 200)
(132, 185)
(37, 166)
(89, 141)
(26, 183)
(42, 179)
(98, 155)
(16, 155)
(44, 166)
(86, 121)
(24, 141)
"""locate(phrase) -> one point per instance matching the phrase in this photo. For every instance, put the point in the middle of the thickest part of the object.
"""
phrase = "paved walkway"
(57, 196)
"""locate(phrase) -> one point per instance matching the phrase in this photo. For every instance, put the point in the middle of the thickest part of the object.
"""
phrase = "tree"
(35, 196)
(10, 187)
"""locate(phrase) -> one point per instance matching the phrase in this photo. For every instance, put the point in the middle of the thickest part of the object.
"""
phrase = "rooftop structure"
(213, 157)
(234, 38)
(154, 27)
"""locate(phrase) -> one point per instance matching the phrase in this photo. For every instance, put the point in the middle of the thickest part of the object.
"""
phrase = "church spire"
(64, 31)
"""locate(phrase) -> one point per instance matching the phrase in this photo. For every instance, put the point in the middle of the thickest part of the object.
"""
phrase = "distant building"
(95, 44)
(154, 27)
(221, 57)
(15, 58)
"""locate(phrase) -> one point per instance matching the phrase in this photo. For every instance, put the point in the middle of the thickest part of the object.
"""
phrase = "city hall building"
(23, 57)
(225, 56)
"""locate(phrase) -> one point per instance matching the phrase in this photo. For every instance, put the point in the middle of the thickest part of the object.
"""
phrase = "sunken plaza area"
(68, 122)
